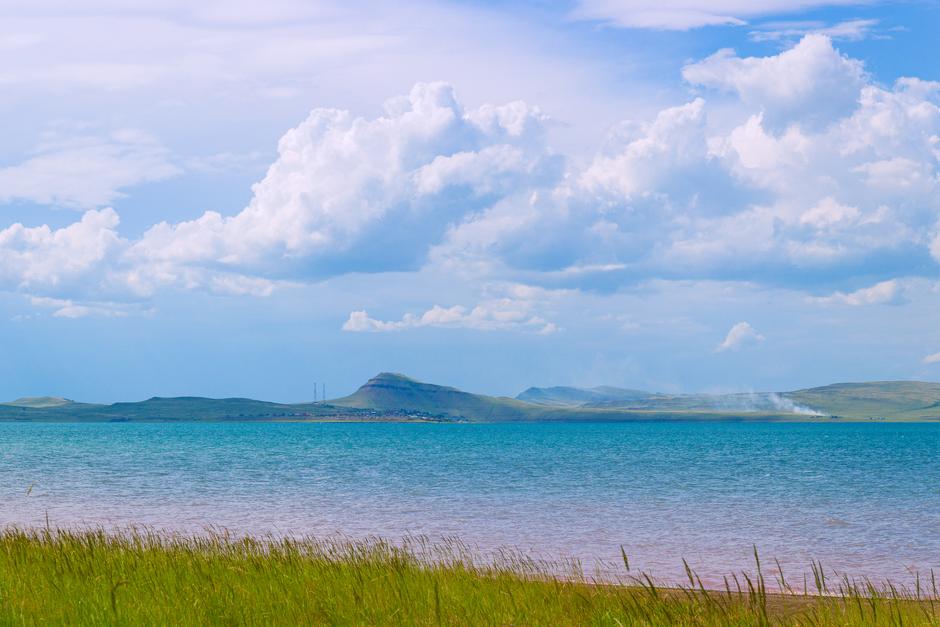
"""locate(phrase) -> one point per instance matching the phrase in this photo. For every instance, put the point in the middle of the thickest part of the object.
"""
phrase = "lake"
(862, 498)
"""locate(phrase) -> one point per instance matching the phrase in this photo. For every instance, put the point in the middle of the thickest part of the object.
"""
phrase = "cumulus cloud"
(810, 83)
(932, 359)
(477, 192)
(884, 293)
(687, 14)
(352, 194)
(86, 172)
(639, 161)
(740, 335)
(501, 315)
(797, 202)
(41, 258)
(503, 307)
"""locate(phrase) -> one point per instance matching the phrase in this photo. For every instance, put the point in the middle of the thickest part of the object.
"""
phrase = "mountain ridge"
(396, 397)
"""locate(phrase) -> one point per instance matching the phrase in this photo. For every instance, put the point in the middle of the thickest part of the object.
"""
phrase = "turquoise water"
(863, 498)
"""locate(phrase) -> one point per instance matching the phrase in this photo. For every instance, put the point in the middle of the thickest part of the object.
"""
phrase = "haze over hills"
(395, 392)
(904, 400)
(395, 397)
(39, 401)
(567, 396)
(899, 400)
(893, 400)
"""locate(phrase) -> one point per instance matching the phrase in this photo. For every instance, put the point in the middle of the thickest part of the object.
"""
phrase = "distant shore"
(391, 397)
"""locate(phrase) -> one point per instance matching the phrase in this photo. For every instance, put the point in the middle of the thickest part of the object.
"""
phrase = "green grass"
(93, 578)
(887, 400)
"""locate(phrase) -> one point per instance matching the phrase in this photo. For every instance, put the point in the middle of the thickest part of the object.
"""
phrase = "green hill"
(389, 391)
(183, 409)
(568, 396)
(879, 400)
(395, 397)
(893, 400)
(39, 401)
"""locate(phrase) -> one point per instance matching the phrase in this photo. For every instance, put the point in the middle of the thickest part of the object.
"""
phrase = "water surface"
(863, 498)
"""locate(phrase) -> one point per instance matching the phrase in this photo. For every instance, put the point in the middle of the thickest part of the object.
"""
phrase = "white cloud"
(810, 82)
(84, 172)
(742, 334)
(477, 192)
(67, 308)
(683, 197)
(932, 359)
(224, 77)
(499, 315)
(675, 139)
(686, 14)
(349, 194)
(848, 30)
(503, 307)
(883, 293)
(40, 258)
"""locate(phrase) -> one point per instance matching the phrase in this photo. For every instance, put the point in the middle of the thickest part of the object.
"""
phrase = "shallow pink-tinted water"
(863, 499)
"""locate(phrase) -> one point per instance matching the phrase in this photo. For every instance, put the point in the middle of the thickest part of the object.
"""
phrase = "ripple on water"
(861, 498)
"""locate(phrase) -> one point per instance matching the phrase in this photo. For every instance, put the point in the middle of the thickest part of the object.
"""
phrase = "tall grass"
(93, 577)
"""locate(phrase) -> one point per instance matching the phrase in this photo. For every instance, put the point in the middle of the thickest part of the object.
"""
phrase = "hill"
(39, 401)
(394, 397)
(390, 391)
(895, 400)
(878, 400)
(567, 396)
(192, 409)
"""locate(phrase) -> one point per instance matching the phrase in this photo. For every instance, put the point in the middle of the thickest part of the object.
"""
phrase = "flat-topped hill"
(390, 391)
(186, 408)
(39, 401)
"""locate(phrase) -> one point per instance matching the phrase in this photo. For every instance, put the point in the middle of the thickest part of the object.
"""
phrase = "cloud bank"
(687, 14)
(776, 191)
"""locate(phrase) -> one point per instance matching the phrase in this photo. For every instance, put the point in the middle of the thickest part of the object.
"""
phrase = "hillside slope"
(568, 396)
(896, 400)
(183, 409)
(394, 397)
(39, 402)
(878, 400)
(389, 391)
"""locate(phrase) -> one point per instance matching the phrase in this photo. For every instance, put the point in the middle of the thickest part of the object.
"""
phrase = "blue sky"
(245, 198)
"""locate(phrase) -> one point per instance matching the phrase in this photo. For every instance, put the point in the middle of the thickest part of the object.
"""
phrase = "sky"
(242, 199)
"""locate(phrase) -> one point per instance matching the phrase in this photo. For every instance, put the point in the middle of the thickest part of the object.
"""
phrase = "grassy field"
(92, 578)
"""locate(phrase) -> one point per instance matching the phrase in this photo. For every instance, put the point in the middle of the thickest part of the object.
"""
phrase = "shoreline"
(815, 580)
(55, 575)
(638, 418)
